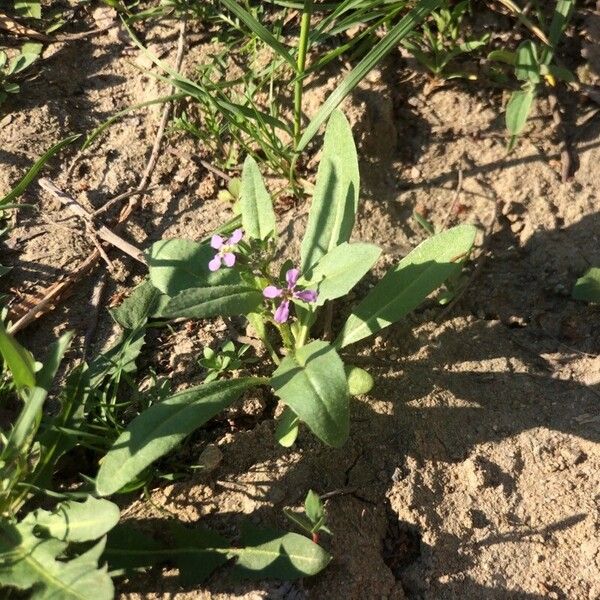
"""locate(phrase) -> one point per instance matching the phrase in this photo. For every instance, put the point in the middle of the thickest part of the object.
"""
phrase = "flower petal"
(216, 241)
(229, 259)
(272, 292)
(236, 236)
(292, 277)
(306, 295)
(215, 263)
(283, 312)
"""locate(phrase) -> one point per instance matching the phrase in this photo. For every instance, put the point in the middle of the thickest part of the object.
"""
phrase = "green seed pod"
(359, 381)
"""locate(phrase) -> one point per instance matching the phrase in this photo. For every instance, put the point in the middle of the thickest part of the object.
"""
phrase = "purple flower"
(224, 249)
(282, 312)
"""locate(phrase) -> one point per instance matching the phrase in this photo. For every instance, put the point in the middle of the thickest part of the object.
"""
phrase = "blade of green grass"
(259, 30)
(374, 57)
(35, 169)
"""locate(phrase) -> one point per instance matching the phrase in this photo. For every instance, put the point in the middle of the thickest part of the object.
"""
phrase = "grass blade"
(35, 169)
(374, 57)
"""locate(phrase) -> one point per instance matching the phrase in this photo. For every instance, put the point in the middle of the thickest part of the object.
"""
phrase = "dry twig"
(55, 292)
(101, 232)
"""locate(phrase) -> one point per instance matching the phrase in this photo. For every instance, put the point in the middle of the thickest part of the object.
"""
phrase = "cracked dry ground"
(473, 468)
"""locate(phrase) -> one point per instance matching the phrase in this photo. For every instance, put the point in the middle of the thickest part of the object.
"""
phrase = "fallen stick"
(102, 232)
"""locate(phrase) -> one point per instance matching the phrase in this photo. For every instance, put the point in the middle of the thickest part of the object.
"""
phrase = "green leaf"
(587, 287)
(505, 56)
(258, 217)
(259, 30)
(119, 358)
(197, 552)
(335, 199)
(313, 507)
(299, 519)
(407, 284)
(359, 381)
(312, 382)
(30, 52)
(19, 360)
(29, 419)
(78, 521)
(176, 265)
(286, 431)
(128, 549)
(341, 269)
(371, 60)
(55, 438)
(562, 14)
(35, 169)
(270, 553)
(29, 8)
(163, 427)
(518, 109)
(527, 66)
(134, 311)
(223, 300)
(28, 562)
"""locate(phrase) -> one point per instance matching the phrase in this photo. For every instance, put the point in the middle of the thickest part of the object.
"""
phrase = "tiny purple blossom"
(224, 247)
(282, 312)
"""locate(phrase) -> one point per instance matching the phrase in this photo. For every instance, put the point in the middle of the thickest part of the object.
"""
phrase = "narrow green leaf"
(258, 217)
(518, 109)
(163, 427)
(223, 300)
(259, 30)
(341, 269)
(176, 265)
(407, 284)
(29, 418)
(91, 137)
(312, 382)
(270, 553)
(562, 14)
(587, 287)
(35, 169)
(19, 360)
(371, 60)
(335, 200)
(78, 521)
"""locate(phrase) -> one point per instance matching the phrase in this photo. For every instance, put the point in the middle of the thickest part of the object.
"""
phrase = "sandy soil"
(473, 468)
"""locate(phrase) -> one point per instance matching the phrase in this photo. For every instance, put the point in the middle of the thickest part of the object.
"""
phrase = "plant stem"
(300, 67)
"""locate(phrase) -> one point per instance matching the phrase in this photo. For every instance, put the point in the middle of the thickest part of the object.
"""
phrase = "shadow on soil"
(438, 408)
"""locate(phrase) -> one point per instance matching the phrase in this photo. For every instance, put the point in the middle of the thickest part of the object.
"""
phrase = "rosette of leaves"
(305, 372)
